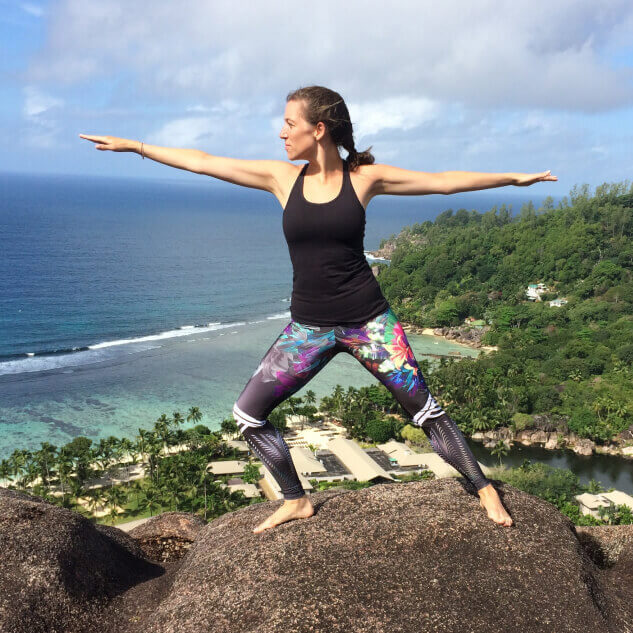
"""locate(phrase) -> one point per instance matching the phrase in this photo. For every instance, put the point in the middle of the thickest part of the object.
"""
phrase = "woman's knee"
(429, 411)
(244, 420)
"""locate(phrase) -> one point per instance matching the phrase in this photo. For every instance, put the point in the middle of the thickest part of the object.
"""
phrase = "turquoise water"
(121, 300)
(121, 395)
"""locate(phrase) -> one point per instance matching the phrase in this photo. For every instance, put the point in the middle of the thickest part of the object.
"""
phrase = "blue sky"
(487, 86)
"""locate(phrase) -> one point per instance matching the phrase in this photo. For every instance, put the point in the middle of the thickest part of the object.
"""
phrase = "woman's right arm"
(257, 174)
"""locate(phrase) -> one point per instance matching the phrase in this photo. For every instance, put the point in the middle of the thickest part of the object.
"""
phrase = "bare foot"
(301, 508)
(489, 499)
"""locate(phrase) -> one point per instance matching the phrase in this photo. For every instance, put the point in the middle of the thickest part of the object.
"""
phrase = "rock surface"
(58, 569)
(405, 557)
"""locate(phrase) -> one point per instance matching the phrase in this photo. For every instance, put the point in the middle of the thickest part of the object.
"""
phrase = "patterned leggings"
(301, 351)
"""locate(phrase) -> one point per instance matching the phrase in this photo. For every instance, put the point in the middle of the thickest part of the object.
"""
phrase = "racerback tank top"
(332, 282)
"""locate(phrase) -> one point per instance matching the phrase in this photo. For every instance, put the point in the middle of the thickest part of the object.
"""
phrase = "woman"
(337, 305)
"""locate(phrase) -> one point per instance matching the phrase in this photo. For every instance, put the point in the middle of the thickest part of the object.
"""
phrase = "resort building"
(341, 459)
(534, 291)
(590, 504)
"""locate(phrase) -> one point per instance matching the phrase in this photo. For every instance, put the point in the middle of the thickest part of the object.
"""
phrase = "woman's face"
(297, 133)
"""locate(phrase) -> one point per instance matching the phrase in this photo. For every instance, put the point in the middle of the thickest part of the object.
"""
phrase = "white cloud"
(37, 102)
(440, 86)
(32, 9)
(402, 112)
(39, 111)
(185, 132)
(478, 54)
(224, 106)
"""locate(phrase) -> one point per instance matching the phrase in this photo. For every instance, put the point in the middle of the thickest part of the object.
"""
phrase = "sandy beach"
(427, 331)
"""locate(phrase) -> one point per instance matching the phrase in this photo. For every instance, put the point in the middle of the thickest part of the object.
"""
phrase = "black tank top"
(332, 282)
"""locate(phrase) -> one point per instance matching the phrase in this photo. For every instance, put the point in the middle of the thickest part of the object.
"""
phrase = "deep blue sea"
(122, 299)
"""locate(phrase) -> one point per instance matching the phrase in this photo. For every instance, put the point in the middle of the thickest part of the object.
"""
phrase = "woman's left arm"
(390, 180)
(457, 181)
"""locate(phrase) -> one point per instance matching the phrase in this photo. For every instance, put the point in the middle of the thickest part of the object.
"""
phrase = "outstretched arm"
(391, 180)
(257, 174)
(457, 181)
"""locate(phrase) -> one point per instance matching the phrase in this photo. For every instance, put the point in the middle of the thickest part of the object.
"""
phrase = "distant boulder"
(58, 569)
(168, 536)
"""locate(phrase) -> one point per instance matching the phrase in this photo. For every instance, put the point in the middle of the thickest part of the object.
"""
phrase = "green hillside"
(571, 362)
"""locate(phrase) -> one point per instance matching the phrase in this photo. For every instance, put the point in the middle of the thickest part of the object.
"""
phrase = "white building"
(590, 504)
(534, 291)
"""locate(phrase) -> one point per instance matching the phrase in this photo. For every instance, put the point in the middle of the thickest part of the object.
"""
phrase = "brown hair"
(323, 104)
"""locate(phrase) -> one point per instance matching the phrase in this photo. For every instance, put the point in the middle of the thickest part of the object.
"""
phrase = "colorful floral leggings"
(301, 351)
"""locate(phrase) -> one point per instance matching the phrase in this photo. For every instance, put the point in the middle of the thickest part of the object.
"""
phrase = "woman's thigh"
(381, 345)
(297, 355)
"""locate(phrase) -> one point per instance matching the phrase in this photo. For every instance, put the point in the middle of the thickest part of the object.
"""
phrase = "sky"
(487, 86)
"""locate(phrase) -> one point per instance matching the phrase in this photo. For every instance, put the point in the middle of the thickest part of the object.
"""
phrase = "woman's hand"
(524, 180)
(113, 143)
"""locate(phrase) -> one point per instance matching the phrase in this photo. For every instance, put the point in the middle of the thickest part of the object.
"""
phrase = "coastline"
(416, 329)
(127, 386)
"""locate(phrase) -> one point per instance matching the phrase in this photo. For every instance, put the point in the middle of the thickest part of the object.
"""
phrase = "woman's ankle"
(297, 500)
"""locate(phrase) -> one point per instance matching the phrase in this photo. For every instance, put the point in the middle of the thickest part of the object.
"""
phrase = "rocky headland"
(464, 334)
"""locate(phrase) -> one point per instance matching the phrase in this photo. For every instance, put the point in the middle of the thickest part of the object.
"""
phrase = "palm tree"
(143, 442)
(229, 427)
(161, 429)
(136, 487)
(19, 459)
(65, 467)
(95, 498)
(163, 419)
(177, 418)
(110, 497)
(500, 449)
(5, 470)
(76, 489)
(154, 449)
(45, 459)
(471, 380)
(103, 454)
(127, 446)
(194, 415)
(594, 487)
(338, 396)
(151, 500)
(114, 513)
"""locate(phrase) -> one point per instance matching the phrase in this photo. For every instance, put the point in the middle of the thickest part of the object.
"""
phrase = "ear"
(320, 130)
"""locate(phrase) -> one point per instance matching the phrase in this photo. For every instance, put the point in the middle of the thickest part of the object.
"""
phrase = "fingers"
(104, 142)
(96, 139)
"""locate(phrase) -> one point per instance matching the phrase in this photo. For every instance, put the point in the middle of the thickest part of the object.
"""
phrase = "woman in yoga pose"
(336, 304)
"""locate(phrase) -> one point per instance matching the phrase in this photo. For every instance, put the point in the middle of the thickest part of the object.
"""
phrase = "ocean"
(123, 299)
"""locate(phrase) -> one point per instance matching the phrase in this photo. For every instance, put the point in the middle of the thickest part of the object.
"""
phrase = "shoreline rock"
(551, 441)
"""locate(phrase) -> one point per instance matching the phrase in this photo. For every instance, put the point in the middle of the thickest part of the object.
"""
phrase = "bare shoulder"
(285, 174)
(284, 171)
(373, 175)
(365, 180)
